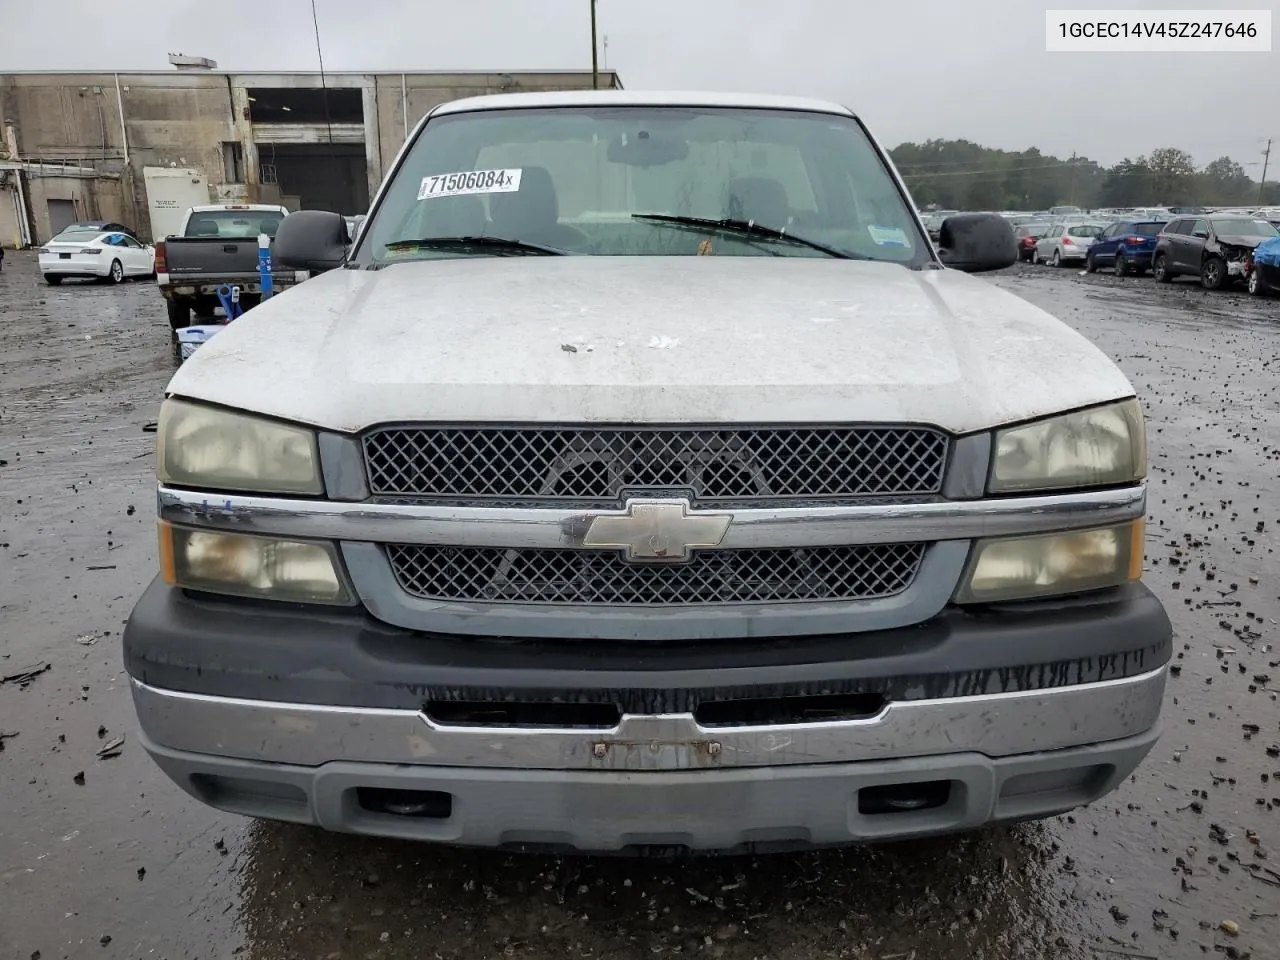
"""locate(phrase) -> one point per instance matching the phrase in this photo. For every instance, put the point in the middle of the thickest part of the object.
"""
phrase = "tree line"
(962, 175)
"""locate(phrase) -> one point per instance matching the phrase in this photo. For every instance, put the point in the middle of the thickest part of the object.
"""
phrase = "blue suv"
(1126, 246)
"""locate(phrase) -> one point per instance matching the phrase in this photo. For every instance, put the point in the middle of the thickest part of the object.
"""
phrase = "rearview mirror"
(314, 240)
(646, 149)
(976, 242)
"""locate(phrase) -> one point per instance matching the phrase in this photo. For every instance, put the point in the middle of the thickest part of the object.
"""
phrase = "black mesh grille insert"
(598, 465)
(543, 576)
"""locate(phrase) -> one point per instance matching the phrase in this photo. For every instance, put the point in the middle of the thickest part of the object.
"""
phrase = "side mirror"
(976, 242)
(314, 240)
(1200, 235)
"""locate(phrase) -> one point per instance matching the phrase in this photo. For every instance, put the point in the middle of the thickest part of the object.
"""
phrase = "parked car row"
(1218, 246)
(216, 245)
(1219, 249)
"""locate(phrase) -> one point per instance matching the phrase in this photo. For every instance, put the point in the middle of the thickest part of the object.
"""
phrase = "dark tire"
(116, 274)
(1122, 264)
(1090, 265)
(1256, 288)
(179, 313)
(1213, 273)
(52, 280)
(1160, 269)
(1057, 258)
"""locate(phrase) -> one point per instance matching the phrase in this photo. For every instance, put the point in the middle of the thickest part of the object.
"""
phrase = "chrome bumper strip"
(382, 522)
(997, 725)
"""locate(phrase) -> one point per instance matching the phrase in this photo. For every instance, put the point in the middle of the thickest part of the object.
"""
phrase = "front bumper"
(290, 713)
(724, 810)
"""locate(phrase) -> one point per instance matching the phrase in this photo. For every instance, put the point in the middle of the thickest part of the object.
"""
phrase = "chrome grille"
(544, 576)
(590, 466)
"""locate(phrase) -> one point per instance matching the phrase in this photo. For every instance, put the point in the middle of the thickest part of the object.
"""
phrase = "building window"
(232, 162)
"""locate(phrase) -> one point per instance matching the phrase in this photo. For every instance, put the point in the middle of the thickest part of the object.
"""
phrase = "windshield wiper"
(748, 228)
(494, 243)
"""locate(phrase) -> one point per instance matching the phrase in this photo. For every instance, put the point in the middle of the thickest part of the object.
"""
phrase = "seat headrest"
(533, 207)
(760, 199)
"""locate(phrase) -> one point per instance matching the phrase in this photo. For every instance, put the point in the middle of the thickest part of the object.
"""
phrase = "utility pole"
(1266, 157)
(595, 53)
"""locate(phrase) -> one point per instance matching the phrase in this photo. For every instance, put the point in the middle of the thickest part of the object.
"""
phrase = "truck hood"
(649, 339)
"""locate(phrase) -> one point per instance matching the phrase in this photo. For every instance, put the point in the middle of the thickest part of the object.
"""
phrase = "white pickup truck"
(643, 478)
(216, 246)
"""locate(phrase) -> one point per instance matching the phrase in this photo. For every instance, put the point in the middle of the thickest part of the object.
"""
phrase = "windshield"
(77, 235)
(1084, 230)
(590, 180)
(1244, 228)
(1146, 229)
(233, 224)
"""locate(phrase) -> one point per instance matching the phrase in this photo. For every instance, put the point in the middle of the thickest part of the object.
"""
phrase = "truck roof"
(640, 98)
(210, 207)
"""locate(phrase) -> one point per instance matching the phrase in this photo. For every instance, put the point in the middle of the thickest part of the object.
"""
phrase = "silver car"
(1066, 241)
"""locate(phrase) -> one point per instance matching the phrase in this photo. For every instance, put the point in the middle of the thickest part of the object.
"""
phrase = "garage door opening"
(305, 105)
(323, 176)
(62, 214)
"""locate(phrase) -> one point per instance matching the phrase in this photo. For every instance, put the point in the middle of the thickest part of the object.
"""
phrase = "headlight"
(1104, 445)
(1021, 568)
(251, 566)
(200, 446)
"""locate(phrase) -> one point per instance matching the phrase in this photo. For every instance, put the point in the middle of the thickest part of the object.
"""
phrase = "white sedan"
(81, 252)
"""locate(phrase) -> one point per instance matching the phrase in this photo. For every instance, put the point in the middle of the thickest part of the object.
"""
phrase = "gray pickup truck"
(217, 246)
(642, 478)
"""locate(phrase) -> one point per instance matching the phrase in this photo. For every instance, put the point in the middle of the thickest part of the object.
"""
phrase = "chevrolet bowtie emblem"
(657, 530)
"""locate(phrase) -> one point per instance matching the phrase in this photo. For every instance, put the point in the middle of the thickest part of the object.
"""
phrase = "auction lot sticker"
(469, 181)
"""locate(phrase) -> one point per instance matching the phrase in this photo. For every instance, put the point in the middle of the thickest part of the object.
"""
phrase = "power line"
(965, 163)
(992, 173)
(324, 89)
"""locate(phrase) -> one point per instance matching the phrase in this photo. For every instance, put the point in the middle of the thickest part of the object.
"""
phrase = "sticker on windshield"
(888, 236)
(469, 181)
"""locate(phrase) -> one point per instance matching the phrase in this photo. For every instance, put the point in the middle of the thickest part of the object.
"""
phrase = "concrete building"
(79, 145)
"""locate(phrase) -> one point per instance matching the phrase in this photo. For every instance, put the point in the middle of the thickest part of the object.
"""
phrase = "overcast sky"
(914, 69)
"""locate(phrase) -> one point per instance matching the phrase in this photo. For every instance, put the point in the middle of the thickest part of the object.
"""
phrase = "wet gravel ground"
(101, 857)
